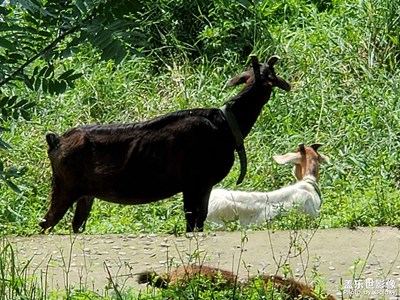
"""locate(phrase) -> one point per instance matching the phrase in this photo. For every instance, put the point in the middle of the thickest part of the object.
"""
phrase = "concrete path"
(354, 264)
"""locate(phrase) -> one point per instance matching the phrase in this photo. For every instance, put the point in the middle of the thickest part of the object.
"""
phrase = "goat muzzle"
(283, 84)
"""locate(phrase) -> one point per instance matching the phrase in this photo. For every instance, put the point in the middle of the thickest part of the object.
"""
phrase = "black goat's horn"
(254, 59)
(256, 67)
(272, 60)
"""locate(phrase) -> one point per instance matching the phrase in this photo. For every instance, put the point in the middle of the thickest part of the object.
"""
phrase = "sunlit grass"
(339, 98)
(341, 58)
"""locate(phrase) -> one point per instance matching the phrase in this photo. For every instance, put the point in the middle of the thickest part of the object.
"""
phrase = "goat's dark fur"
(226, 279)
(186, 151)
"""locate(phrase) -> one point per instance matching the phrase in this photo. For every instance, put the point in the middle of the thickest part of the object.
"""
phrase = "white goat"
(258, 207)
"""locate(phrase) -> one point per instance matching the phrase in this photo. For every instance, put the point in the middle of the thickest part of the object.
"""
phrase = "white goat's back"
(258, 207)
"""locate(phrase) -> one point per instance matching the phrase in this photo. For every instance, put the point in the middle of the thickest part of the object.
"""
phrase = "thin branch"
(33, 58)
(48, 47)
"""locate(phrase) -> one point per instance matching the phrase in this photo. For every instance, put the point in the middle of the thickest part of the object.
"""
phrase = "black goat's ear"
(239, 79)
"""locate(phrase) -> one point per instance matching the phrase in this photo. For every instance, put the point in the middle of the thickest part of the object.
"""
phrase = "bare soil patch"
(365, 261)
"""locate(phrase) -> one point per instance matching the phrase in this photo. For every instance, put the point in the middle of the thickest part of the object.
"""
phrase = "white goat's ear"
(324, 158)
(287, 158)
(316, 146)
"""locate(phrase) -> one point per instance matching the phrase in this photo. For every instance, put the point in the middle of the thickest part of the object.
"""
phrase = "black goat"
(186, 151)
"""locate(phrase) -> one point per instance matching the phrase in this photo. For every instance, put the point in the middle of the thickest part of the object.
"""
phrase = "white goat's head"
(306, 160)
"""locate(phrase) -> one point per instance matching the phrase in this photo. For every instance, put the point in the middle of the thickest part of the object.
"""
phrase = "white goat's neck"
(313, 181)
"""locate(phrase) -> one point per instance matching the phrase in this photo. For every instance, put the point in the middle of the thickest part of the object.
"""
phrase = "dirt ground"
(364, 262)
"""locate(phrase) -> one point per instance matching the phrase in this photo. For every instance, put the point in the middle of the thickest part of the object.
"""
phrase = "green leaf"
(45, 85)
(102, 39)
(28, 81)
(61, 86)
(45, 33)
(117, 25)
(38, 83)
(15, 114)
(26, 115)
(29, 105)
(57, 87)
(35, 71)
(74, 76)
(4, 113)
(3, 101)
(11, 101)
(66, 74)
(245, 3)
(7, 44)
(120, 55)
(43, 70)
(49, 71)
(110, 51)
(34, 8)
(12, 186)
(20, 103)
(16, 56)
(4, 145)
(81, 6)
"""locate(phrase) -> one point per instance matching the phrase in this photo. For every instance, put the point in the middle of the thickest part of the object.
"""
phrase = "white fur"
(258, 207)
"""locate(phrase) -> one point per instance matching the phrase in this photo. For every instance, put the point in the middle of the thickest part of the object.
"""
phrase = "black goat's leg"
(82, 211)
(203, 209)
(190, 213)
(61, 201)
(196, 207)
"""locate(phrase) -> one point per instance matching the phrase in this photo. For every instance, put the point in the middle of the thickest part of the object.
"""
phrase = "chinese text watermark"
(370, 287)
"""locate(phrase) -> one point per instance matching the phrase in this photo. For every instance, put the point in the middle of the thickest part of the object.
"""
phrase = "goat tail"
(53, 140)
(153, 279)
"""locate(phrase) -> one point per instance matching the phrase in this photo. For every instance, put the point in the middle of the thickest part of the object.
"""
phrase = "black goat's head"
(260, 74)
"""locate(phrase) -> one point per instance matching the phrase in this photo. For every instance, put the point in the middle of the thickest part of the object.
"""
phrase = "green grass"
(344, 95)
(343, 64)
